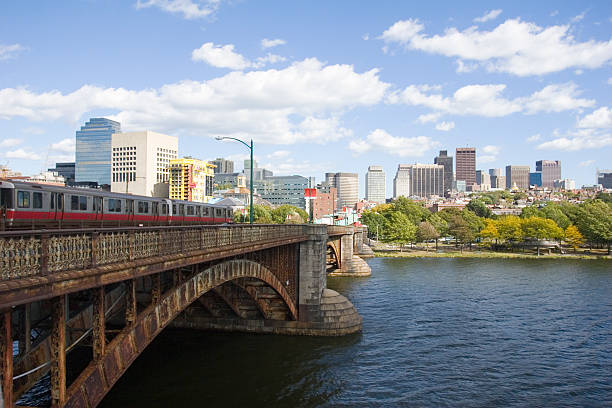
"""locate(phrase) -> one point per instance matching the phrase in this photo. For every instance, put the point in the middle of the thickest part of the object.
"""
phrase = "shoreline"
(481, 254)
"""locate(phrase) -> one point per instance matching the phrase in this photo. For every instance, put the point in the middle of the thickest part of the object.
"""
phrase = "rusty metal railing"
(32, 253)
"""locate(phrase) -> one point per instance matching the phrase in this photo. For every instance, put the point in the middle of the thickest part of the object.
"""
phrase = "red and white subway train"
(37, 206)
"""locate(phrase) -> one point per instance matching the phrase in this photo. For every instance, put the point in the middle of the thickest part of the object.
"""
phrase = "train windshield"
(6, 198)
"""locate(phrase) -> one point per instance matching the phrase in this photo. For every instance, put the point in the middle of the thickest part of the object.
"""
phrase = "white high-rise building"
(375, 184)
(140, 162)
(401, 182)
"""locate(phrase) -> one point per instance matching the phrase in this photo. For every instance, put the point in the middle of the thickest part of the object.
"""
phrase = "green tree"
(573, 237)
(594, 221)
(440, 225)
(399, 228)
(375, 221)
(426, 232)
(474, 222)
(554, 212)
(459, 228)
(478, 207)
(538, 228)
(415, 212)
(531, 211)
(288, 214)
(261, 215)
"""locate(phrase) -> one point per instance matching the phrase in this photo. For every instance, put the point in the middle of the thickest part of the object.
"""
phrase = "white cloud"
(10, 142)
(397, 146)
(445, 126)
(609, 81)
(224, 56)
(490, 154)
(65, 145)
(487, 100)
(302, 102)
(9, 51)
(534, 138)
(601, 118)
(489, 15)
(429, 117)
(22, 154)
(579, 140)
(279, 154)
(33, 130)
(266, 43)
(366, 37)
(220, 56)
(514, 47)
(291, 167)
(190, 9)
(554, 13)
(587, 163)
(578, 18)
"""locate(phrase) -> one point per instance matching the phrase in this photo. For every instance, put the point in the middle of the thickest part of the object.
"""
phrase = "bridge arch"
(333, 251)
(100, 376)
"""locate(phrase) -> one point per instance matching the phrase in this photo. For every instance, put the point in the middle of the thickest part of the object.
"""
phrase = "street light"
(251, 183)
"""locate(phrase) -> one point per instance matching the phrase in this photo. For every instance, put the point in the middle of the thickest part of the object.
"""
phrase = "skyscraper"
(401, 182)
(191, 180)
(483, 178)
(223, 165)
(447, 161)
(551, 171)
(347, 185)
(604, 177)
(497, 180)
(426, 180)
(518, 175)
(93, 150)
(375, 184)
(466, 165)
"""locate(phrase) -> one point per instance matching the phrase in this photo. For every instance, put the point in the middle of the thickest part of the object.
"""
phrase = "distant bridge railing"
(337, 230)
(33, 253)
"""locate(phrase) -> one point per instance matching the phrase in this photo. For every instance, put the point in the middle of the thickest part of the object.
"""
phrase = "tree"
(399, 228)
(490, 230)
(288, 214)
(376, 222)
(474, 222)
(440, 225)
(261, 215)
(594, 221)
(509, 228)
(554, 212)
(573, 237)
(415, 212)
(460, 230)
(538, 228)
(478, 207)
(426, 232)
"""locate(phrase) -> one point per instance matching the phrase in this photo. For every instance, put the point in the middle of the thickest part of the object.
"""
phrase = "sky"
(320, 86)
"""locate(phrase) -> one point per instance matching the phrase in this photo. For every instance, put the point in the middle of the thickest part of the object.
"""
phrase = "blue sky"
(319, 86)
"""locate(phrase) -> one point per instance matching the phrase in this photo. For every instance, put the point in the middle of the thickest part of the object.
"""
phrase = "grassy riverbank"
(479, 254)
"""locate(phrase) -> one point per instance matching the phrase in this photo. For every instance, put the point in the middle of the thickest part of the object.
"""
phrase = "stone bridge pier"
(346, 247)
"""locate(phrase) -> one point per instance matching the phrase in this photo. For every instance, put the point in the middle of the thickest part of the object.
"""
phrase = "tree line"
(405, 221)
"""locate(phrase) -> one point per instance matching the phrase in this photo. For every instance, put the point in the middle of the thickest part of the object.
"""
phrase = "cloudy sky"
(319, 86)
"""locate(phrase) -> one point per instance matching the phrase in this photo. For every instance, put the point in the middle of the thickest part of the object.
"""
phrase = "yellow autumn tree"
(489, 231)
(573, 237)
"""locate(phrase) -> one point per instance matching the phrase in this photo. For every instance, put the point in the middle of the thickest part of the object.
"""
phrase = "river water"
(436, 332)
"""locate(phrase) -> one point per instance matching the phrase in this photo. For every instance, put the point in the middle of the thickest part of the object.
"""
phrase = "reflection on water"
(437, 332)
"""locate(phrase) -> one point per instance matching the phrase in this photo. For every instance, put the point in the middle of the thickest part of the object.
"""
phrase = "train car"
(35, 206)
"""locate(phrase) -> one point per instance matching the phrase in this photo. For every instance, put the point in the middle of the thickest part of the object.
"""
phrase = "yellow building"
(191, 179)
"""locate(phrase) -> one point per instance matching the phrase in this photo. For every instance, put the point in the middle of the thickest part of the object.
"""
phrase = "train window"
(83, 203)
(181, 209)
(52, 201)
(23, 199)
(164, 209)
(60, 198)
(143, 207)
(190, 210)
(205, 211)
(118, 206)
(114, 205)
(6, 198)
(173, 209)
(218, 212)
(74, 202)
(37, 200)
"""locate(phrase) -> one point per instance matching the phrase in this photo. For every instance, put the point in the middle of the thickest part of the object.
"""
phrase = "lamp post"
(250, 147)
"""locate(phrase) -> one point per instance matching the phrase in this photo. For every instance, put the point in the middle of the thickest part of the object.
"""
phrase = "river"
(436, 332)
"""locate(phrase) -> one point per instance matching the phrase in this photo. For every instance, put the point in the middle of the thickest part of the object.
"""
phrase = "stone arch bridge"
(112, 291)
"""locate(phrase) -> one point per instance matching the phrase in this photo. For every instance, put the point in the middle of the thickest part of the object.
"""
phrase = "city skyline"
(374, 88)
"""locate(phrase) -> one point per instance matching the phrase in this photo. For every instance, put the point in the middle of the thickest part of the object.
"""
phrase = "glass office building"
(93, 150)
